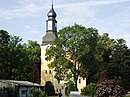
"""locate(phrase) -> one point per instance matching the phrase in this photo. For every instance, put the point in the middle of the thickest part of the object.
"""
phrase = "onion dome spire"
(52, 13)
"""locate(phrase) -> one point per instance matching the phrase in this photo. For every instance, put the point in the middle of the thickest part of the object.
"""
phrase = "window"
(58, 81)
(57, 90)
(24, 92)
(49, 71)
(46, 72)
(79, 80)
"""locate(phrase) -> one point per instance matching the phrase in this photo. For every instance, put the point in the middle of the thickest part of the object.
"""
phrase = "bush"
(39, 93)
(11, 91)
(89, 90)
(69, 87)
(109, 87)
(126, 96)
(49, 89)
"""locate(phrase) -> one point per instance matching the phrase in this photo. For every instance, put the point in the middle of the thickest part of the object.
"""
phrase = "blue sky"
(27, 18)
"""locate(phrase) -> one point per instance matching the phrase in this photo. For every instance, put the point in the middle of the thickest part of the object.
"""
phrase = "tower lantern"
(51, 27)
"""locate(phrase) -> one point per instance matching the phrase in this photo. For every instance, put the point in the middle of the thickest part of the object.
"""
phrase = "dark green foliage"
(69, 50)
(49, 89)
(69, 87)
(120, 64)
(89, 90)
(79, 51)
(11, 91)
(34, 52)
(126, 96)
(12, 54)
(17, 59)
(39, 93)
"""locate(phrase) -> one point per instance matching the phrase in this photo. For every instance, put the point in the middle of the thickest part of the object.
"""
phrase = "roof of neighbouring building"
(6, 83)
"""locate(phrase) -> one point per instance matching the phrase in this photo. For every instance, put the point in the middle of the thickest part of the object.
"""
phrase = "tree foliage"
(16, 58)
(89, 90)
(120, 64)
(66, 52)
(69, 87)
(38, 93)
(78, 51)
(33, 52)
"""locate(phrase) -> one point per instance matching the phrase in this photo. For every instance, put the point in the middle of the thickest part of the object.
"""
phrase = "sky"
(27, 18)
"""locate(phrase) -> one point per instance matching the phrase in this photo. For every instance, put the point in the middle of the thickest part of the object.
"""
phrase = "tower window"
(79, 80)
(57, 90)
(46, 72)
(49, 71)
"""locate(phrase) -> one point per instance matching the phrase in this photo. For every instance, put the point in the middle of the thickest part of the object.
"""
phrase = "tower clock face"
(49, 25)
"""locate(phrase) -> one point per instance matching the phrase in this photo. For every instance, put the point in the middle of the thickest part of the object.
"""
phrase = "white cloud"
(33, 7)
(19, 11)
(27, 26)
(31, 34)
(87, 3)
(70, 11)
(76, 14)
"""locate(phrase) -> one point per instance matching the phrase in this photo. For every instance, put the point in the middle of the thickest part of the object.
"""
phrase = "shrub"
(89, 90)
(39, 93)
(108, 87)
(49, 89)
(69, 87)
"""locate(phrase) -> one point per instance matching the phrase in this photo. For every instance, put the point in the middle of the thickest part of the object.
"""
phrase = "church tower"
(47, 74)
(51, 28)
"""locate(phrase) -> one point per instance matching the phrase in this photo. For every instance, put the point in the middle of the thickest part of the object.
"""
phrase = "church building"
(48, 74)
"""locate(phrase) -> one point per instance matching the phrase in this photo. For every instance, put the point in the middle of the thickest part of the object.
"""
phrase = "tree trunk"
(76, 88)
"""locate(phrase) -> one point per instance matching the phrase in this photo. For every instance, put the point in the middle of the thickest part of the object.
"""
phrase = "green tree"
(69, 87)
(89, 90)
(4, 41)
(34, 52)
(38, 93)
(17, 59)
(120, 64)
(13, 57)
(79, 51)
(67, 52)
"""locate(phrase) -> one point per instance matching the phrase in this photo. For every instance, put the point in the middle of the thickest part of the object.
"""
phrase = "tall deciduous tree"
(33, 50)
(78, 51)
(16, 59)
(66, 51)
(13, 57)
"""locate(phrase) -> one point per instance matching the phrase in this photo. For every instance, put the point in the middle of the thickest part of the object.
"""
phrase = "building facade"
(47, 74)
